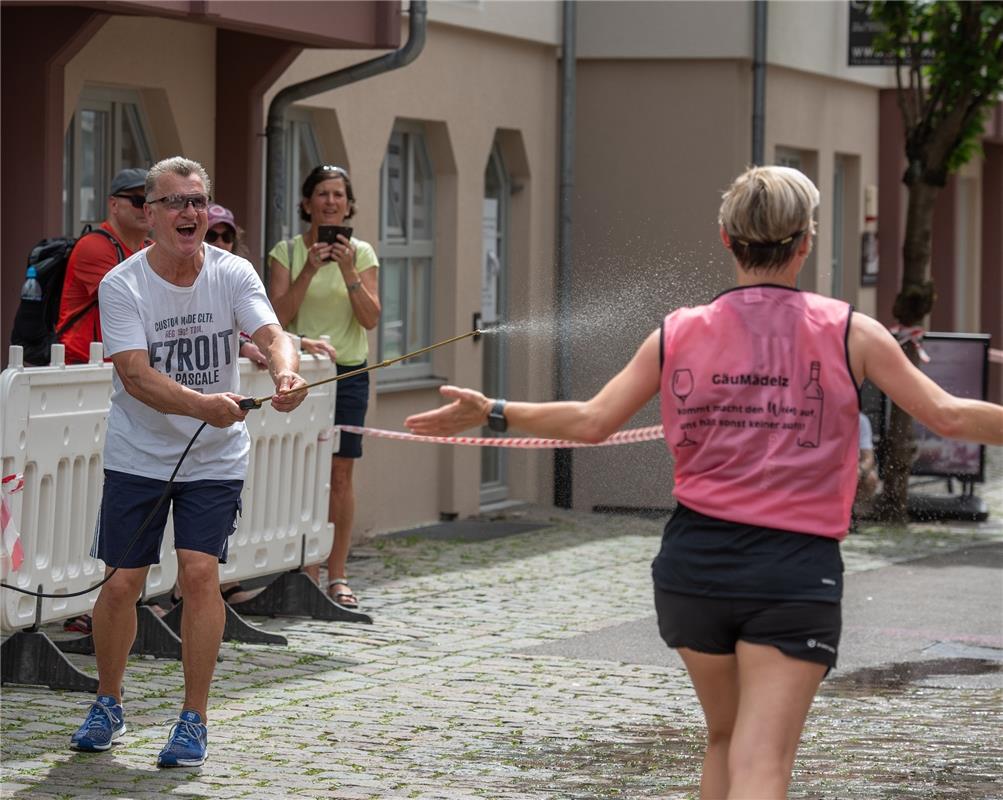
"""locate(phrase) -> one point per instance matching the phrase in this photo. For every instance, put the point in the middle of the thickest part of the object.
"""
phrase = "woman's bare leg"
(715, 679)
(776, 693)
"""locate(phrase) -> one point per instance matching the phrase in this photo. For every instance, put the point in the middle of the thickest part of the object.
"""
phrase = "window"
(805, 161)
(838, 225)
(108, 133)
(407, 231)
(302, 155)
(494, 304)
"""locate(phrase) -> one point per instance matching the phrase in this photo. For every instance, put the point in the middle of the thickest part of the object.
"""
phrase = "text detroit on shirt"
(188, 352)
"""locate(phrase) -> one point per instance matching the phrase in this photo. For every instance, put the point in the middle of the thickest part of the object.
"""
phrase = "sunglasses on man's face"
(227, 236)
(137, 200)
(179, 202)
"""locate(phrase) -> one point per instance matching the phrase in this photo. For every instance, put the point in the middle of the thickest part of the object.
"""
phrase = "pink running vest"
(761, 411)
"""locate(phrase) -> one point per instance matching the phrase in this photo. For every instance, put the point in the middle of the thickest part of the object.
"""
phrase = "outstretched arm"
(591, 421)
(874, 354)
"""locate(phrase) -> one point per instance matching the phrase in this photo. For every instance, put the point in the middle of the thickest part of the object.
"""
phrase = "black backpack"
(35, 322)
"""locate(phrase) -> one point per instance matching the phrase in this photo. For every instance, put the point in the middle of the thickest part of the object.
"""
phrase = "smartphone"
(329, 233)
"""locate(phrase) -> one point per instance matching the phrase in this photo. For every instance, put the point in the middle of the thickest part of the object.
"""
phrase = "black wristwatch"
(496, 417)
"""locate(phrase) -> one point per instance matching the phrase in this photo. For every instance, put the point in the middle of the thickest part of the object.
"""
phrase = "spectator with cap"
(226, 234)
(94, 256)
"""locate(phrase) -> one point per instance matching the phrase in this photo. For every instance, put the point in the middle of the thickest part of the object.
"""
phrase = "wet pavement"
(527, 666)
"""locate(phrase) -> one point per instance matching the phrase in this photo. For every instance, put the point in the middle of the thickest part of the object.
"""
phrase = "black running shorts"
(806, 630)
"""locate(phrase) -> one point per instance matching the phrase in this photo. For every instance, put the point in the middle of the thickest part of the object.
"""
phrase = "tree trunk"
(897, 450)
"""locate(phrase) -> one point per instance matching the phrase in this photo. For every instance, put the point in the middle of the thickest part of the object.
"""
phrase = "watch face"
(496, 417)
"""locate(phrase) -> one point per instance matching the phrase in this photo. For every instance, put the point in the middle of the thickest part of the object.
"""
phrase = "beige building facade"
(475, 99)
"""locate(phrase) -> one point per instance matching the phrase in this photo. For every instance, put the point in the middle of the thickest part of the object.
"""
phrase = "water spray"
(247, 403)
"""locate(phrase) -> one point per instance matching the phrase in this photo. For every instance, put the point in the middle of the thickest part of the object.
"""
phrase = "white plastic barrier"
(285, 497)
(52, 430)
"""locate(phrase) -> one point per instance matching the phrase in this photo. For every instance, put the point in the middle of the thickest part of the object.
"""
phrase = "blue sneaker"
(186, 744)
(105, 722)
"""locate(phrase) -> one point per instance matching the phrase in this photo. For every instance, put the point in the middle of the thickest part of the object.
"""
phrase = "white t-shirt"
(190, 333)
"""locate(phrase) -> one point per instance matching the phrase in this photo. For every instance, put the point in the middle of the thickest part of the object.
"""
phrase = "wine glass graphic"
(682, 387)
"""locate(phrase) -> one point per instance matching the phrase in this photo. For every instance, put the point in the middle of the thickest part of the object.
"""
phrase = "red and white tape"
(525, 443)
(13, 552)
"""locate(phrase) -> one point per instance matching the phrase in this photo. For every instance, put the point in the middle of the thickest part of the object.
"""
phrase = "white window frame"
(497, 490)
(398, 243)
(839, 170)
(122, 107)
(298, 121)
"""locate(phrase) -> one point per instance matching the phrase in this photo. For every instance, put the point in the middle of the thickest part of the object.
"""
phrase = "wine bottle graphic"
(811, 409)
(682, 387)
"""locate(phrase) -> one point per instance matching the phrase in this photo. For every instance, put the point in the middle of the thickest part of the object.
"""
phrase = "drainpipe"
(562, 458)
(759, 85)
(275, 180)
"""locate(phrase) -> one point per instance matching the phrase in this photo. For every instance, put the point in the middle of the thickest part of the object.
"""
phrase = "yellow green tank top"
(326, 309)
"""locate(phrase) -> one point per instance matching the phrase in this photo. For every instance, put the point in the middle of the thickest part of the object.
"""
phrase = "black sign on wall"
(863, 31)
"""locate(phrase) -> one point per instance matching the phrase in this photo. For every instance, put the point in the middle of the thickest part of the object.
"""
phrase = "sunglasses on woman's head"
(227, 236)
(330, 168)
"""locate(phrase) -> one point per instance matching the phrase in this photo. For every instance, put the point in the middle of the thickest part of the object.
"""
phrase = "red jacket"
(92, 258)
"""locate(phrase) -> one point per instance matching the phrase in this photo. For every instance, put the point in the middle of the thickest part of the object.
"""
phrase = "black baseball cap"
(131, 178)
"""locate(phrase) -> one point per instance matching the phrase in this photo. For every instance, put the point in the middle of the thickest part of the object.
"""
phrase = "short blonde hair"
(765, 212)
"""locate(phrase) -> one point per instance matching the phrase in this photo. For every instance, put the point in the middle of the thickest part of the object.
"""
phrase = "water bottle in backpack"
(32, 289)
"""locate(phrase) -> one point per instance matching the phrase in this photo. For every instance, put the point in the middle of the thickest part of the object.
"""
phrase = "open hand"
(469, 409)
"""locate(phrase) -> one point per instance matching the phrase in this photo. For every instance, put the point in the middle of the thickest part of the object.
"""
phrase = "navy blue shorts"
(350, 409)
(205, 514)
(805, 630)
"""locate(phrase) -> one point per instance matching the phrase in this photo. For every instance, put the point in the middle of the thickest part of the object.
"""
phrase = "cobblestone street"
(448, 695)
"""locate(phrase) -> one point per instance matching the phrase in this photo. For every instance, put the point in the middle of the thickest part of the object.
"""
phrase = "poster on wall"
(959, 364)
(868, 258)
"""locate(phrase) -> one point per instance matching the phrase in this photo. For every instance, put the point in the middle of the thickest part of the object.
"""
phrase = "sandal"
(80, 624)
(235, 589)
(346, 599)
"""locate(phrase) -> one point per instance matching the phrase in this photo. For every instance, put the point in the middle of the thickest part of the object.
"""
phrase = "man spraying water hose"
(759, 396)
(170, 317)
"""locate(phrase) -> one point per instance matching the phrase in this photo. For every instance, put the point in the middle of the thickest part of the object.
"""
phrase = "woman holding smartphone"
(325, 282)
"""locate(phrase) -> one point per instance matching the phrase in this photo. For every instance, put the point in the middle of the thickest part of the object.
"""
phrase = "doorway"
(494, 308)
